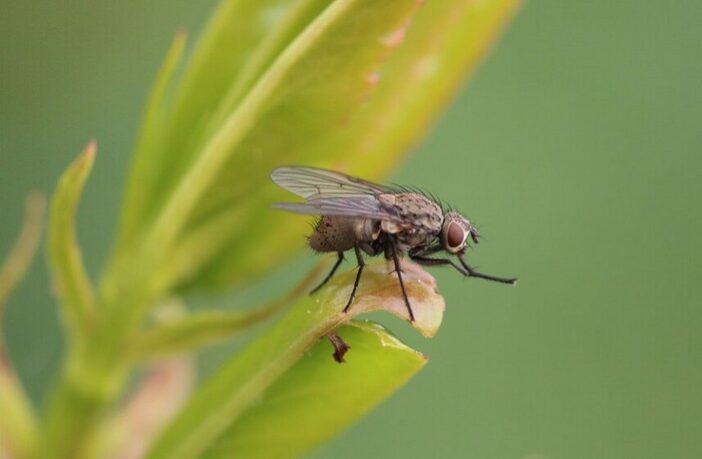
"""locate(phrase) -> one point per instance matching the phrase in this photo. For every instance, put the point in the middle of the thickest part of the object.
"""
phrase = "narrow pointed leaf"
(71, 282)
(228, 396)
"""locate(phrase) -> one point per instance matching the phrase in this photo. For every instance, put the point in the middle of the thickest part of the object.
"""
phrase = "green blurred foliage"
(576, 150)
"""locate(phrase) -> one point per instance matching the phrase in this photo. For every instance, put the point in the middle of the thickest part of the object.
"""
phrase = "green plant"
(346, 84)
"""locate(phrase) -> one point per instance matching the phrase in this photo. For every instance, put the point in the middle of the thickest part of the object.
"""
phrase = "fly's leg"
(465, 270)
(426, 261)
(361, 265)
(474, 273)
(398, 270)
(331, 273)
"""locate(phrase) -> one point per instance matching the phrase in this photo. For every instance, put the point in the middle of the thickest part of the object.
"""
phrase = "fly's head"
(455, 231)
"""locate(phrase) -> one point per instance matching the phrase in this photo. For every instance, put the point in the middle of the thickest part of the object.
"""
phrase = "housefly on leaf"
(376, 219)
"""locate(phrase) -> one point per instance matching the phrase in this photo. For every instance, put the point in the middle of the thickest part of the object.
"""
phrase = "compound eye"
(456, 235)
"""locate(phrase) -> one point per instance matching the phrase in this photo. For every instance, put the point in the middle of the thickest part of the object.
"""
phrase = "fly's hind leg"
(331, 273)
(361, 265)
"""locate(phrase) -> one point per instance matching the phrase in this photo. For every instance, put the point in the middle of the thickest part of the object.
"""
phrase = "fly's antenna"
(480, 231)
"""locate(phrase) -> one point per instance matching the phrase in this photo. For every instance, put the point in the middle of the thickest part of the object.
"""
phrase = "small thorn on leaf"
(340, 347)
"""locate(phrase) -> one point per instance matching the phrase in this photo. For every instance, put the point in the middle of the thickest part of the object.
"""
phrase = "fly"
(374, 219)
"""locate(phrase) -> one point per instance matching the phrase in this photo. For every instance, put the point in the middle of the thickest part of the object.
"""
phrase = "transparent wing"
(366, 206)
(313, 183)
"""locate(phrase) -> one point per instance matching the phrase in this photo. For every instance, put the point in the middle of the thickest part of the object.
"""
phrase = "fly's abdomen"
(339, 234)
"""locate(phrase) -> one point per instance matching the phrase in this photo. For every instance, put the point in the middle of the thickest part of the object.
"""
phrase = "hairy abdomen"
(339, 234)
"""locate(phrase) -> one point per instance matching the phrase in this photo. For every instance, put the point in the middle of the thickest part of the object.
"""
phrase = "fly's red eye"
(455, 236)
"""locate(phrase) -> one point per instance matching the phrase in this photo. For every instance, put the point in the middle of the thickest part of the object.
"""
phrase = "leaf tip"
(90, 150)
(84, 162)
(180, 39)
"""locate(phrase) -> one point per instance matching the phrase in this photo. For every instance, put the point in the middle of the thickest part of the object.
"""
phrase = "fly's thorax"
(419, 218)
(338, 234)
(413, 210)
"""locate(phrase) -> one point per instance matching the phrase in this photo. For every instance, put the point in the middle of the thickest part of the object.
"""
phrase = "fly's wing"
(332, 193)
(366, 207)
(313, 183)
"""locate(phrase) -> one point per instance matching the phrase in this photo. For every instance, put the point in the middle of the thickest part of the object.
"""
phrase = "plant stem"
(86, 386)
(92, 377)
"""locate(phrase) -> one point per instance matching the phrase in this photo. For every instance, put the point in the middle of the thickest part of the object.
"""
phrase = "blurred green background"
(576, 148)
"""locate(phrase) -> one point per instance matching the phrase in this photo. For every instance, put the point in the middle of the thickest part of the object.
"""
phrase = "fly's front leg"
(426, 261)
(424, 251)
(490, 277)
(331, 273)
(393, 252)
(420, 258)
(361, 265)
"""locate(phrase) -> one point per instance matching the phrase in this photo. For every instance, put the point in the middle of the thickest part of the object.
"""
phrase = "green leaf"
(319, 398)
(227, 398)
(356, 101)
(70, 279)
